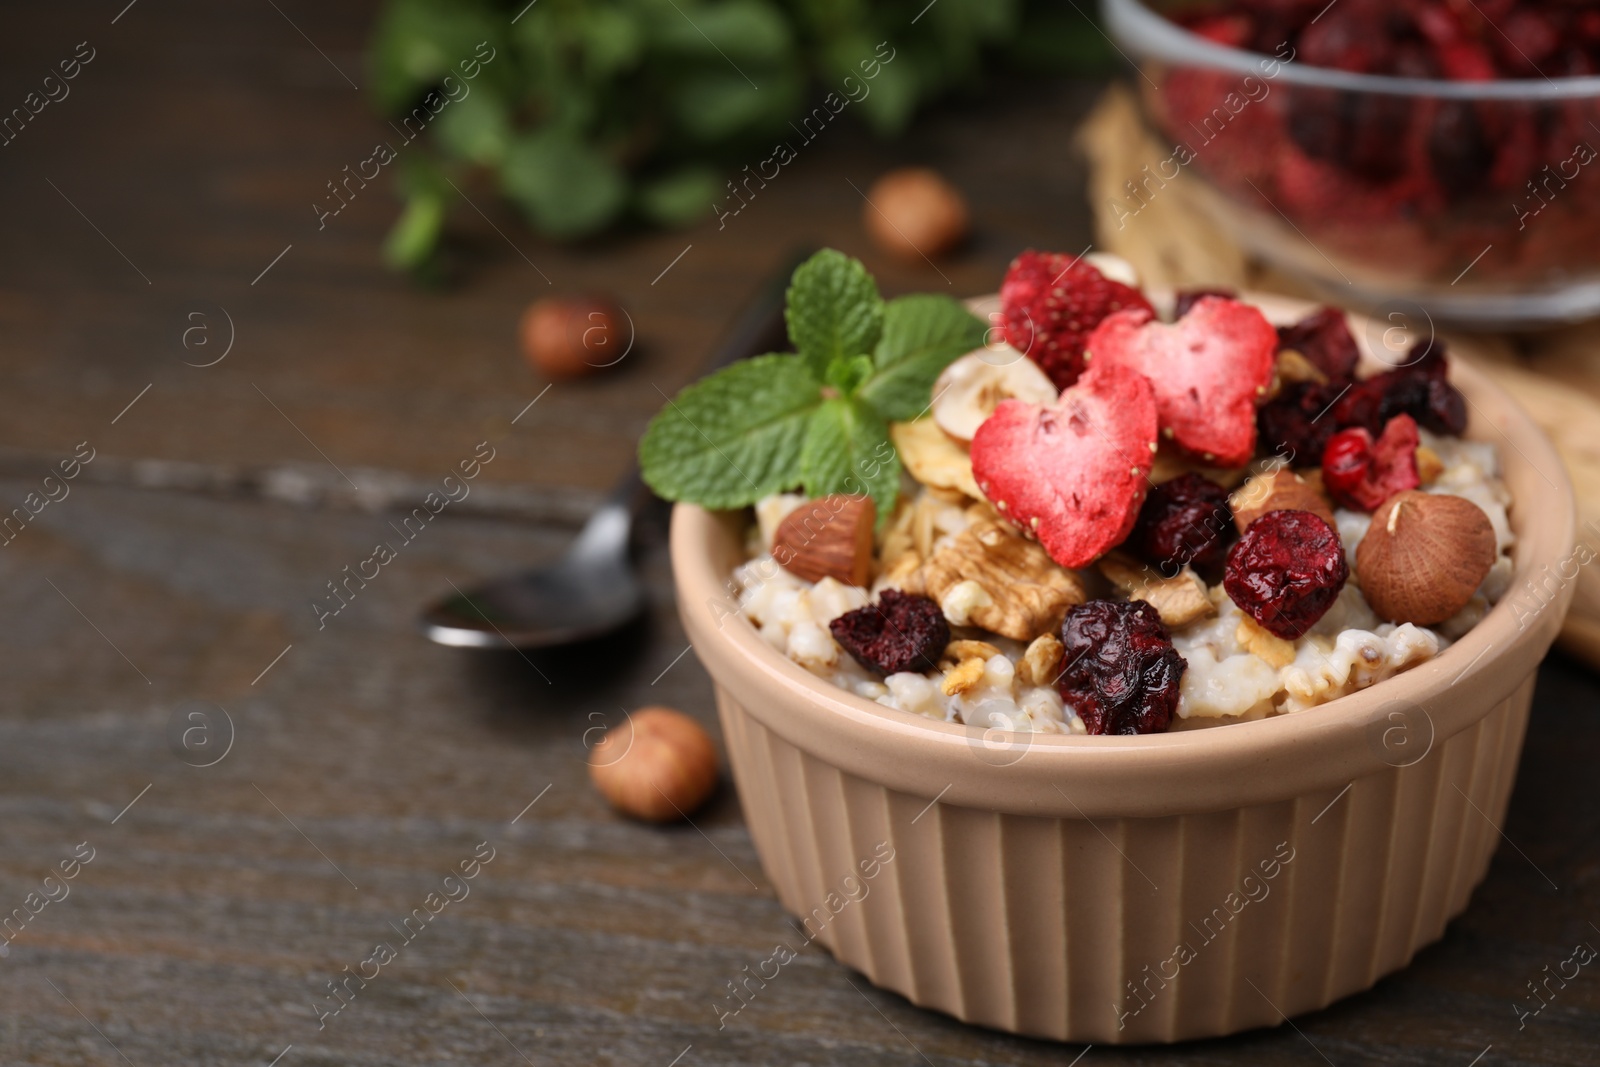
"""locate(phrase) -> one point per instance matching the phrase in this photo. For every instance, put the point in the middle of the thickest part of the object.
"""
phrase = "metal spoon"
(592, 589)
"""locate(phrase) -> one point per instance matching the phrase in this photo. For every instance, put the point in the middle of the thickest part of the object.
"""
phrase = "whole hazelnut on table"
(1424, 556)
(658, 766)
(913, 212)
(567, 336)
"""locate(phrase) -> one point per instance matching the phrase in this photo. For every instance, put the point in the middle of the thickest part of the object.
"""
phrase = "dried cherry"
(1295, 423)
(1181, 523)
(1286, 571)
(901, 632)
(1323, 337)
(1122, 672)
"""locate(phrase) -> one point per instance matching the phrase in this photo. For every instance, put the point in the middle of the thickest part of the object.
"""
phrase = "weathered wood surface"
(367, 764)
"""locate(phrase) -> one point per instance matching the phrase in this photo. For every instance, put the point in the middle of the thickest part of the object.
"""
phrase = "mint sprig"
(816, 420)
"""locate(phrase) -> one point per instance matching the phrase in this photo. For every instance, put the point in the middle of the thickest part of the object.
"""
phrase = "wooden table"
(171, 590)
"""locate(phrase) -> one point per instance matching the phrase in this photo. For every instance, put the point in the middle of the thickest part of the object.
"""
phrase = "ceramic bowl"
(1139, 889)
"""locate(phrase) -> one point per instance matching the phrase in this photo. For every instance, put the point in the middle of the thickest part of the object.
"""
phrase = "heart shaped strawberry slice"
(1209, 370)
(1072, 473)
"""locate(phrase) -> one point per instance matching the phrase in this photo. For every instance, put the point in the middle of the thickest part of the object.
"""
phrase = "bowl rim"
(1144, 31)
(1211, 769)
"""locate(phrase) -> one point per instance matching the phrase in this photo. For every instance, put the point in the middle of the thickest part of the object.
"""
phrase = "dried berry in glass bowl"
(1408, 152)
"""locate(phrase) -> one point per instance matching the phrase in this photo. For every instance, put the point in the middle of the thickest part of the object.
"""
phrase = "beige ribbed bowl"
(1138, 889)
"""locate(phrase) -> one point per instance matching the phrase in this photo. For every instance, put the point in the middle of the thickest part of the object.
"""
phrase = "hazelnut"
(913, 212)
(567, 337)
(968, 390)
(1424, 556)
(659, 767)
(830, 537)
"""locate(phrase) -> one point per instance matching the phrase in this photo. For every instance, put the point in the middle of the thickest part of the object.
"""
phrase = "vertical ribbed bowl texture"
(1139, 889)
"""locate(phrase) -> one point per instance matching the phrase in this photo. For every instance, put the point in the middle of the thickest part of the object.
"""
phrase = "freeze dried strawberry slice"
(1209, 370)
(1050, 302)
(1075, 472)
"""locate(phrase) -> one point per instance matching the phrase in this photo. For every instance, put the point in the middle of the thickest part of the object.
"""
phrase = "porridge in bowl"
(1108, 523)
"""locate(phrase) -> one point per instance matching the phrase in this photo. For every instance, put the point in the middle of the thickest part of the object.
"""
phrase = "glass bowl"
(1474, 200)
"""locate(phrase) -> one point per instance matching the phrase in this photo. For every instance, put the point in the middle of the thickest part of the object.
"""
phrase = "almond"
(1424, 556)
(1274, 650)
(1279, 490)
(830, 537)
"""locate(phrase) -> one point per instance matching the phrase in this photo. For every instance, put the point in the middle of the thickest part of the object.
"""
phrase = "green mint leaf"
(735, 437)
(847, 450)
(833, 310)
(922, 334)
(846, 373)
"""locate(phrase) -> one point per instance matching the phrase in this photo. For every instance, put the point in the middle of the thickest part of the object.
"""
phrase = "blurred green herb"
(595, 112)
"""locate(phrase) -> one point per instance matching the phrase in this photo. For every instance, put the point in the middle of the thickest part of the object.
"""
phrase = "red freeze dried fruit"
(1050, 302)
(1209, 370)
(1286, 571)
(1188, 298)
(901, 632)
(1122, 672)
(1182, 523)
(1074, 473)
(1324, 338)
(1359, 472)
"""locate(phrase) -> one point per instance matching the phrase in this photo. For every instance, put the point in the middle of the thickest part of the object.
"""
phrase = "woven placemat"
(1554, 374)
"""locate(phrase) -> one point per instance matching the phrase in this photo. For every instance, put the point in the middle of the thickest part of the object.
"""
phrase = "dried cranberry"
(1323, 337)
(1419, 388)
(1122, 672)
(1181, 524)
(1359, 472)
(1187, 298)
(1433, 402)
(1429, 356)
(1427, 397)
(901, 632)
(1286, 571)
(1361, 405)
(1295, 423)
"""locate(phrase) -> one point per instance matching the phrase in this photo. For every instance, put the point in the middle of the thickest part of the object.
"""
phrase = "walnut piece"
(1040, 662)
(956, 651)
(1179, 600)
(1025, 592)
(904, 574)
(963, 676)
